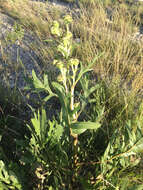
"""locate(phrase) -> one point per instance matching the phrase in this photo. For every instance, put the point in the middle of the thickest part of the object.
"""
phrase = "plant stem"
(75, 136)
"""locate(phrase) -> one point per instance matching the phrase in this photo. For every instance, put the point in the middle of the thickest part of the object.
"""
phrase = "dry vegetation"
(122, 55)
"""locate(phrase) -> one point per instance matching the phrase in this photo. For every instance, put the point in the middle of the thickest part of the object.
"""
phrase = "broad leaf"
(59, 87)
(46, 85)
(84, 70)
(80, 127)
(36, 82)
(60, 91)
(78, 131)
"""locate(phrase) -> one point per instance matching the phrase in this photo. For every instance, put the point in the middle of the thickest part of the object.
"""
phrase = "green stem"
(75, 136)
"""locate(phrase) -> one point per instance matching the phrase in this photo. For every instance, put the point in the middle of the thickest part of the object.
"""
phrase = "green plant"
(48, 146)
(124, 151)
(8, 179)
(72, 102)
(16, 35)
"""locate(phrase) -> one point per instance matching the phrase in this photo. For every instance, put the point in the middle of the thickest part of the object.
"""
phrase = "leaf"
(39, 129)
(110, 148)
(3, 186)
(36, 82)
(14, 179)
(136, 148)
(4, 176)
(76, 109)
(36, 123)
(48, 97)
(84, 70)
(46, 85)
(85, 125)
(85, 86)
(92, 89)
(80, 127)
(131, 135)
(29, 82)
(136, 187)
(55, 131)
(59, 87)
(58, 132)
(106, 153)
(43, 126)
(78, 131)
(60, 91)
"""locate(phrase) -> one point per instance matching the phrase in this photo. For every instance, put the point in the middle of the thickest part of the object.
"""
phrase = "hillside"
(71, 95)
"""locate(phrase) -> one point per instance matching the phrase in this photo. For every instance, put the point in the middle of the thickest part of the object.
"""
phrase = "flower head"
(55, 29)
(74, 62)
(67, 19)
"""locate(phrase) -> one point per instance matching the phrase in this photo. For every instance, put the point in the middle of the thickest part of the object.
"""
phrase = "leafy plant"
(124, 151)
(8, 179)
(72, 102)
(74, 91)
(46, 137)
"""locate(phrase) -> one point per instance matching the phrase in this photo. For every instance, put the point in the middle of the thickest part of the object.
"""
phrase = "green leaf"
(72, 112)
(38, 86)
(58, 132)
(48, 97)
(39, 129)
(14, 180)
(46, 85)
(60, 91)
(36, 82)
(4, 176)
(59, 87)
(36, 123)
(84, 70)
(92, 89)
(136, 187)
(136, 148)
(3, 186)
(131, 134)
(80, 127)
(78, 131)
(106, 153)
(43, 126)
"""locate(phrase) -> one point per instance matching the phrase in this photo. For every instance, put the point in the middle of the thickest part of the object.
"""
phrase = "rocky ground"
(18, 58)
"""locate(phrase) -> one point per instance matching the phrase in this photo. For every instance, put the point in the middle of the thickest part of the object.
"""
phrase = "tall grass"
(122, 59)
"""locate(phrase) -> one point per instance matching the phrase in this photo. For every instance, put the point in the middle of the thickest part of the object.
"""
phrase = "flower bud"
(67, 19)
(55, 29)
(74, 62)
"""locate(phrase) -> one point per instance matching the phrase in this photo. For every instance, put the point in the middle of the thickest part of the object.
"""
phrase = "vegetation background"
(77, 123)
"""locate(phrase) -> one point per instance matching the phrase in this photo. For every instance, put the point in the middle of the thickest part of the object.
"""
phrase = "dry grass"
(33, 15)
(36, 18)
(121, 62)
